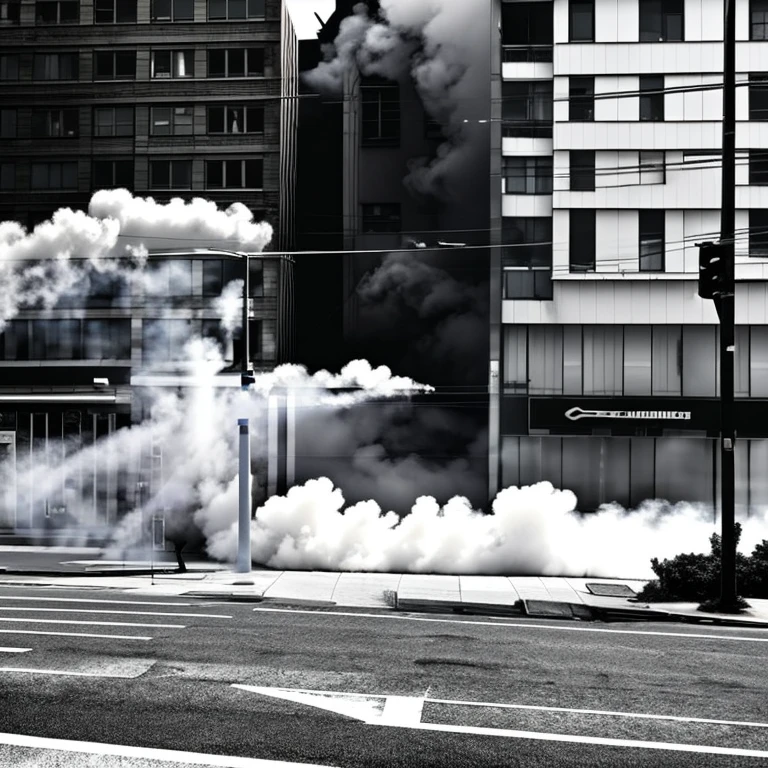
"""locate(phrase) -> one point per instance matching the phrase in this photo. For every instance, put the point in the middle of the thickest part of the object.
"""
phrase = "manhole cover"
(611, 590)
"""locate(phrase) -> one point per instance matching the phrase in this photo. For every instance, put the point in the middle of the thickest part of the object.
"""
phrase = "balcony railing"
(529, 129)
(527, 54)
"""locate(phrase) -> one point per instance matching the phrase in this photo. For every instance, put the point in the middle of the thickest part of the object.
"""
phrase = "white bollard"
(244, 518)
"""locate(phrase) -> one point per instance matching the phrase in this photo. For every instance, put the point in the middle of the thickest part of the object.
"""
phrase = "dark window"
(381, 217)
(380, 112)
(582, 170)
(113, 121)
(527, 175)
(533, 283)
(55, 66)
(758, 166)
(234, 174)
(107, 339)
(758, 19)
(172, 64)
(653, 168)
(229, 10)
(661, 21)
(527, 241)
(651, 97)
(56, 340)
(173, 10)
(255, 278)
(7, 176)
(9, 66)
(171, 121)
(758, 232)
(55, 123)
(651, 241)
(10, 12)
(527, 24)
(582, 21)
(529, 101)
(235, 119)
(114, 12)
(581, 249)
(169, 277)
(57, 12)
(236, 62)
(7, 123)
(114, 65)
(108, 174)
(758, 96)
(54, 175)
(582, 99)
(170, 174)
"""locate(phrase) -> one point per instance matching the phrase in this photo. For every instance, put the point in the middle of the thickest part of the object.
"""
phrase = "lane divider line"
(90, 600)
(71, 634)
(122, 613)
(94, 623)
(14, 650)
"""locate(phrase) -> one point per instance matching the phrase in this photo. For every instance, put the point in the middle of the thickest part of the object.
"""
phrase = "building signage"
(575, 414)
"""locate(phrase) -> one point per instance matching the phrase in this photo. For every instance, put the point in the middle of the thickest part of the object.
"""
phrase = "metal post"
(244, 517)
(725, 307)
(246, 294)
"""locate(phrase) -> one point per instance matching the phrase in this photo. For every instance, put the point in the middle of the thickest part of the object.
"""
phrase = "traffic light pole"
(725, 308)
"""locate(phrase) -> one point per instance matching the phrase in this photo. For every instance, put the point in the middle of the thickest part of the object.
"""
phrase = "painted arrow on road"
(406, 712)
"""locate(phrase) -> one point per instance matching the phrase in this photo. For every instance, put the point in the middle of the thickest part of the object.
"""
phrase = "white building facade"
(607, 120)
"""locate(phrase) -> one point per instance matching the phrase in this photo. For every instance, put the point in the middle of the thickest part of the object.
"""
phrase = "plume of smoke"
(532, 530)
(229, 306)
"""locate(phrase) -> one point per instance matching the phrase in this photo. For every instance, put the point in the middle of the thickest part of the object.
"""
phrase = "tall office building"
(606, 141)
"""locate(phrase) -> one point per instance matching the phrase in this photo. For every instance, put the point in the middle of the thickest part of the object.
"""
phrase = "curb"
(102, 573)
(418, 605)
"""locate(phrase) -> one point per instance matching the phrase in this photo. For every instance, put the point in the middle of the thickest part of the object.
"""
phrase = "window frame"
(173, 124)
(664, 17)
(758, 176)
(652, 99)
(259, 11)
(43, 58)
(388, 113)
(758, 89)
(173, 61)
(527, 241)
(114, 121)
(49, 165)
(172, 17)
(247, 71)
(10, 18)
(114, 184)
(114, 56)
(133, 17)
(762, 23)
(758, 241)
(589, 5)
(64, 114)
(650, 224)
(226, 169)
(9, 118)
(247, 110)
(649, 167)
(581, 108)
(171, 162)
(7, 176)
(529, 174)
(40, 4)
(585, 235)
(587, 171)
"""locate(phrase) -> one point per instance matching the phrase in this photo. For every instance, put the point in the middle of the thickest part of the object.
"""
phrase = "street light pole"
(244, 510)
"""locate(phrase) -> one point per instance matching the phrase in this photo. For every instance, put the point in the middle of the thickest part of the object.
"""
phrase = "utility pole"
(725, 308)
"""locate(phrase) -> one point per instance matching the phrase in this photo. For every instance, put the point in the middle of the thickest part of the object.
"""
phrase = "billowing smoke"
(443, 46)
(62, 255)
(532, 530)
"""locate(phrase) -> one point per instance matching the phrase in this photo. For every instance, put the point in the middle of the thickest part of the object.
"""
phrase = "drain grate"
(611, 590)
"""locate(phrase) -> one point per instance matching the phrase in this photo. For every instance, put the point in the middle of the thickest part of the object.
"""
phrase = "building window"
(526, 108)
(170, 174)
(218, 273)
(758, 166)
(55, 123)
(582, 170)
(113, 121)
(652, 97)
(173, 10)
(534, 283)
(651, 241)
(581, 249)
(235, 119)
(603, 360)
(758, 18)
(107, 339)
(171, 121)
(667, 360)
(7, 123)
(381, 217)
(661, 21)
(114, 12)
(236, 62)
(7, 176)
(700, 361)
(54, 175)
(582, 99)
(380, 122)
(527, 241)
(9, 66)
(108, 174)
(172, 64)
(10, 12)
(758, 96)
(758, 232)
(169, 277)
(582, 21)
(57, 12)
(234, 174)
(114, 65)
(653, 169)
(55, 66)
(230, 10)
(527, 176)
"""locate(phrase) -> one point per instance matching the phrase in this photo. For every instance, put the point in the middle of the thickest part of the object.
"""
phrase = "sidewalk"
(532, 596)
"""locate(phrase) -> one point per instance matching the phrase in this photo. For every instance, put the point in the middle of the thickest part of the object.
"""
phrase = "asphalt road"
(108, 667)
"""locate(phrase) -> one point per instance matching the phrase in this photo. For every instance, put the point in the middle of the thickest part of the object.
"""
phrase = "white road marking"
(14, 650)
(71, 634)
(95, 623)
(91, 600)
(63, 673)
(146, 753)
(407, 711)
(121, 612)
(522, 625)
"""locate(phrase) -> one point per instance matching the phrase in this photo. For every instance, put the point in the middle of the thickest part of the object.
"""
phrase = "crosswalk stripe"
(94, 623)
(122, 613)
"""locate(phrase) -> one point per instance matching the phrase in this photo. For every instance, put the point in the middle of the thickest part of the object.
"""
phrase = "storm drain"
(611, 590)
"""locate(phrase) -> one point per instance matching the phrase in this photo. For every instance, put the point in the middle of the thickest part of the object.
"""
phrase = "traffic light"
(713, 271)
